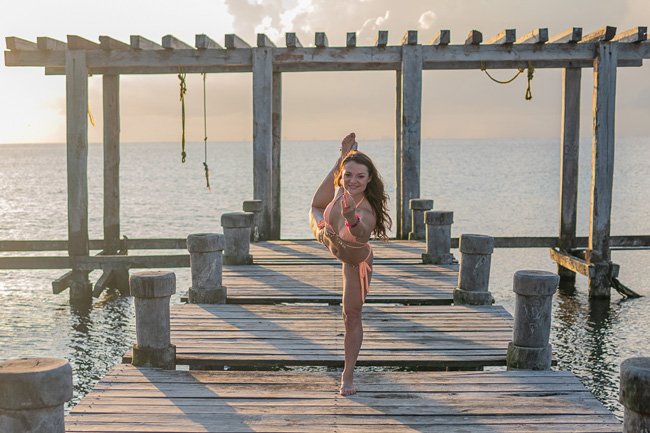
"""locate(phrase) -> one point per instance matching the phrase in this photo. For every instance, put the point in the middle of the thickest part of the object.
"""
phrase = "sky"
(316, 105)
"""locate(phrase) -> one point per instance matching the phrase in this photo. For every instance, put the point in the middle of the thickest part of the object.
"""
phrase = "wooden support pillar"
(569, 151)
(410, 128)
(602, 166)
(398, 153)
(276, 209)
(111, 92)
(263, 135)
(77, 164)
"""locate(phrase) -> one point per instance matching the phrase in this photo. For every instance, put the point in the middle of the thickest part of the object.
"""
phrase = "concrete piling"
(438, 236)
(236, 230)
(529, 348)
(254, 207)
(206, 263)
(635, 394)
(474, 273)
(418, 227)
(32, 394)
(152, 291)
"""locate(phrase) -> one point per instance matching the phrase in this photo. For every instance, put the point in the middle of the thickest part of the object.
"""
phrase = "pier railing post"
(438, 237)
(474, 273)
(236, 231)
(255, 207)
(529, 348)
(33, 392)
(418, 227)
(152, 291)
(206, 263)
(635, 394)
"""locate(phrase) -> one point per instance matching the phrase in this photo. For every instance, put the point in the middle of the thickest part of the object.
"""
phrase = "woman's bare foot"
(349, 143)
(347, 387)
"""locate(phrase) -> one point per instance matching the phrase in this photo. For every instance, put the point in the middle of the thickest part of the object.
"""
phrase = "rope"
(90, 117)
(183, 90)
(205, 137)
(531, 71)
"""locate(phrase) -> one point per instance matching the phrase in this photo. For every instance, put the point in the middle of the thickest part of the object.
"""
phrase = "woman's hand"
(348, 207)
(349, 143)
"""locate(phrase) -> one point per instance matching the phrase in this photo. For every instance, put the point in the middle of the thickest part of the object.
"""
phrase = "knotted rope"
(183, 90)
(531, 71)
(205, 137)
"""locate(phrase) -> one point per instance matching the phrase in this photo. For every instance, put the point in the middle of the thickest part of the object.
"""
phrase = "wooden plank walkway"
(132, 399)
(264, 336)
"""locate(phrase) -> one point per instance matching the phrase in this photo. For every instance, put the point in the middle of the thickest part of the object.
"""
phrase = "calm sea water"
(499, 188)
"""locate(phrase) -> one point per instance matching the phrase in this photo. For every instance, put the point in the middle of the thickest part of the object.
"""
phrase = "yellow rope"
(90, 117)
(205, 137)
(531, 71)
(183, 90)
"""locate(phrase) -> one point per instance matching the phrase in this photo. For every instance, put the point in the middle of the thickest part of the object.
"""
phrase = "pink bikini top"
(343, 233)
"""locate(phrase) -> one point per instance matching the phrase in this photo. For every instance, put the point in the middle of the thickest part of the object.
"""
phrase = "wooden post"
(411, 119)
(276, 212)
(569, 151)
(474, 274)
(602, 166)
(237, 234)
(263, 135)
(111, 92)
(206, 263)
(635, 394)
(77, 163)
(438, 237)
(398, 153)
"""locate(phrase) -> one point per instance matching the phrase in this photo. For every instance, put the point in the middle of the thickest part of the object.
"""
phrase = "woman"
(348, 207)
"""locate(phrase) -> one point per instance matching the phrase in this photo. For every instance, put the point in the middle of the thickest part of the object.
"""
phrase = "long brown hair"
(375, 193)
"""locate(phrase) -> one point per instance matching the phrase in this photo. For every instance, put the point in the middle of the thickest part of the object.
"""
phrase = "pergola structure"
(603, 50)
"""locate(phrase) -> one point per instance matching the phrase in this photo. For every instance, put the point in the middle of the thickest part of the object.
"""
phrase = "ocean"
(494, 187)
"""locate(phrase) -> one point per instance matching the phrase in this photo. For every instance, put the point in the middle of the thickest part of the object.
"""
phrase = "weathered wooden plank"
(634, 35)
(570, 35)
(351, 39)
(292, 41)
(111, 113)
(474, 37)
(171, 42)
(264, 41)
(61, 283)
(108, 43)
(382, 39)
(508, 36)
(443, 37)
(276, 159)
(537, 36)
(50, 44)
(203, 42)
(604, 34)
(14, 43)
(263, 136)
(78, 43)
(102, 282)
(320, 40)
(572, 263)
(232, 41)
(140, 43)
(410, 38)
(398, 154)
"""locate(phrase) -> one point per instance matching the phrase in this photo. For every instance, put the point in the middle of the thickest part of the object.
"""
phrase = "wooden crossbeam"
(14, 43)
(508, 36)
(410, 38)
(292, 40)
(570, 35)
(382, 38)
(604, 34)
(108, 43)
(264, 41)
(474, 37)
(320, 40)
(62, 283)
(232, 41)
(351, 39)
(635, 35)
(537, 36)
(570, 262)
(102, 282)
(78, 43)
(50, 44)
(203, 42)
(140, 43)
(171, 42)
(442, 38)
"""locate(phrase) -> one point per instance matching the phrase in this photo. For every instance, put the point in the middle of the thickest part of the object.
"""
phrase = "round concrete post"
(438, 237)
(152, 291)
(474, 273)
(418, 228)
(236, 230)
(529, 348)
(32, 394)
(206, 263)
(254, 207)
(635, 394)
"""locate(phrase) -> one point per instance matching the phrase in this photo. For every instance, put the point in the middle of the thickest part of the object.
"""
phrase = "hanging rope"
(90, 117)
(205, 137)
(183, 90)
(531, 70)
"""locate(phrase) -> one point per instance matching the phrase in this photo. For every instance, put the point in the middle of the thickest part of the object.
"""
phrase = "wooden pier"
(272, 361)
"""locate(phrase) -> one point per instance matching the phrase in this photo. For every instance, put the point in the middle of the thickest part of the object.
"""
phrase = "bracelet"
(356, 223)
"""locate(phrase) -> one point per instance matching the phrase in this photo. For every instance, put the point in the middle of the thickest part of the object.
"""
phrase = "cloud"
(373, 24)
(427, 19)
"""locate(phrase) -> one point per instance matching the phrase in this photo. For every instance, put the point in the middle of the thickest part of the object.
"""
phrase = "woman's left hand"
(348, 206)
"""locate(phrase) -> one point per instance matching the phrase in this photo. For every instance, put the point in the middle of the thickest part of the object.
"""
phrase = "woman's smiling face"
(355, 177)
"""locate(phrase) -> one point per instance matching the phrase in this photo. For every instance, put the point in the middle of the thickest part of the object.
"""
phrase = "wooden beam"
(442, 38)
(604, 34)
(78, 43)
(171, 42)
(292, 40)
(102, 283)
(351, 39)
(398, 153)
(537, 36)
(140, 43)
(634, 35)
(508, 36)
(14, 43)
(45, 43)
(382, 38)
(276, 158)
(61, 283)
(203, 42)
(474, 37)
(570, 262)
(108, 43)
(232, 41)
(320, 40)
(410, 38)
(111, 111)
(90, 263)
(570, 35)
(264, 41)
